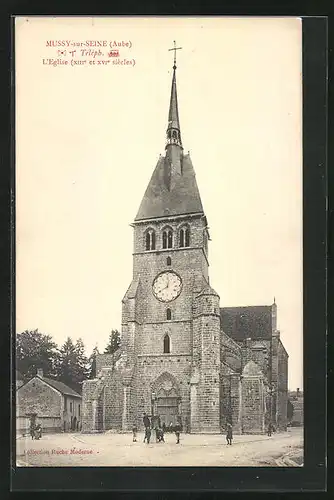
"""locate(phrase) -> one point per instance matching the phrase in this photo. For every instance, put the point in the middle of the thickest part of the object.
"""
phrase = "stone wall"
(38, 397)
(113, 401)
(104, 360)
(88, 392)
(252, 406)
(252, 400)
(207, 350)
(149, 369)
(282, 388)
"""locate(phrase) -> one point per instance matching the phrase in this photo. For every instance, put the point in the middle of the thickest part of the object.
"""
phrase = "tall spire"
(172, 190)
(173, 129)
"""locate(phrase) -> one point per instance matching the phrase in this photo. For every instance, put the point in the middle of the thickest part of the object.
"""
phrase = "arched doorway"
(167, 402)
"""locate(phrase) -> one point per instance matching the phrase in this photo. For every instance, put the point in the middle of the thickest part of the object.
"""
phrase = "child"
(134, 433)
(160, 435)
(229, 434)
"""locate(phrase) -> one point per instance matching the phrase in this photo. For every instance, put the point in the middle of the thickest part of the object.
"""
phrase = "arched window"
(166, 344)
(170, 239)
(150, 240)
(174, 134)
(167, 238)
(169, 261)
(181, 238)
(184, 240)
(187, 237)
(169, 314)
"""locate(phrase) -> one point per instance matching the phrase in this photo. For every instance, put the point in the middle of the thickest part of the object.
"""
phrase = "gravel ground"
(110, 449)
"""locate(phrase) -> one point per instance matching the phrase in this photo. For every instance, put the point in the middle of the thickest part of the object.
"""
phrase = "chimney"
(40, 372)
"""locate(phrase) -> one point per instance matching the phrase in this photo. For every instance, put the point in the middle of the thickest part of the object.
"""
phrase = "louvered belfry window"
(150, 240)
(167, 238)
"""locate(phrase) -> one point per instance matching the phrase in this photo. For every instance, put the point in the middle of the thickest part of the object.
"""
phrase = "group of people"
(229, 433)
(150, 425)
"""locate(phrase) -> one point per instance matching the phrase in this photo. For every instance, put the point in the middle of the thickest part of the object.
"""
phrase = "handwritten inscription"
(89, 53)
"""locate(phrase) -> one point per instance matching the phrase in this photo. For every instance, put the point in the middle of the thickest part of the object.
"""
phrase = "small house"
(53, 404)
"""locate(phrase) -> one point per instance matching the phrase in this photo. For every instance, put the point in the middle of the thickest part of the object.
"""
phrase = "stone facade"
(296, 398)
(182, 356)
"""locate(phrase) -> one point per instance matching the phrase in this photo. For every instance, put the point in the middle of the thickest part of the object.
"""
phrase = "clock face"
(167, 286)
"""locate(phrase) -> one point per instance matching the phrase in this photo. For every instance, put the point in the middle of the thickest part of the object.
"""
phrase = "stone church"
(182, 355)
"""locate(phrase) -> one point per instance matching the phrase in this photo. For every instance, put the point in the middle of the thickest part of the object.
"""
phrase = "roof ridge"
(51, 381)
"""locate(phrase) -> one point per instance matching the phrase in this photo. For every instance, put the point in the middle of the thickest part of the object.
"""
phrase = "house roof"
(61, 387)
(253, 322)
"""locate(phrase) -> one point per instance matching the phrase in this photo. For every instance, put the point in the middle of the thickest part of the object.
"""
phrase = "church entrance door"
(168, 409)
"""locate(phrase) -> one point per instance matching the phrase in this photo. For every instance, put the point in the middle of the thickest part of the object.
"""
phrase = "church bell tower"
(170, 316)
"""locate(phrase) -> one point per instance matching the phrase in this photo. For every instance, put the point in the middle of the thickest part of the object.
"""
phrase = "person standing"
(270, 429)
(146, 420)
(147, 435)
(229, 434)
(32, 429)
(134, 433)
(147, 424)
(177, 430)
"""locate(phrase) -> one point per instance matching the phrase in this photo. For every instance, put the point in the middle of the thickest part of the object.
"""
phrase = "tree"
(92, 363)
(290, 411)
(73, 364)
(114, 342)
(82, 361)
(36, 350)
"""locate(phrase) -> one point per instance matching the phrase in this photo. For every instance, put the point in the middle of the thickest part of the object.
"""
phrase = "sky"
(88, 137)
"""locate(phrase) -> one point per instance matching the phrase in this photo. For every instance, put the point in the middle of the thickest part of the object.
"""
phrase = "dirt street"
(285, 449)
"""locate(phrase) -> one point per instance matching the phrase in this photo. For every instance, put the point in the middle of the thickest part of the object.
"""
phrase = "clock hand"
(165, 286)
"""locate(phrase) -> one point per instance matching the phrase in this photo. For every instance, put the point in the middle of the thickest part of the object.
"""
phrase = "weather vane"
(175, 48)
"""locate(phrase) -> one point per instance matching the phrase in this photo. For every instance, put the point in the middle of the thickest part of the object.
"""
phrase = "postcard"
(159, 257)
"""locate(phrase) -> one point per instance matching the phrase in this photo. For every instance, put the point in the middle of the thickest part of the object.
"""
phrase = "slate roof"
(61, 387)
(183, 198)
(253, 322)
(208, 290)
(172, 189)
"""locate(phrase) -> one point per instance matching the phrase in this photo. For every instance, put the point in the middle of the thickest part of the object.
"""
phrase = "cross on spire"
(175, 48)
